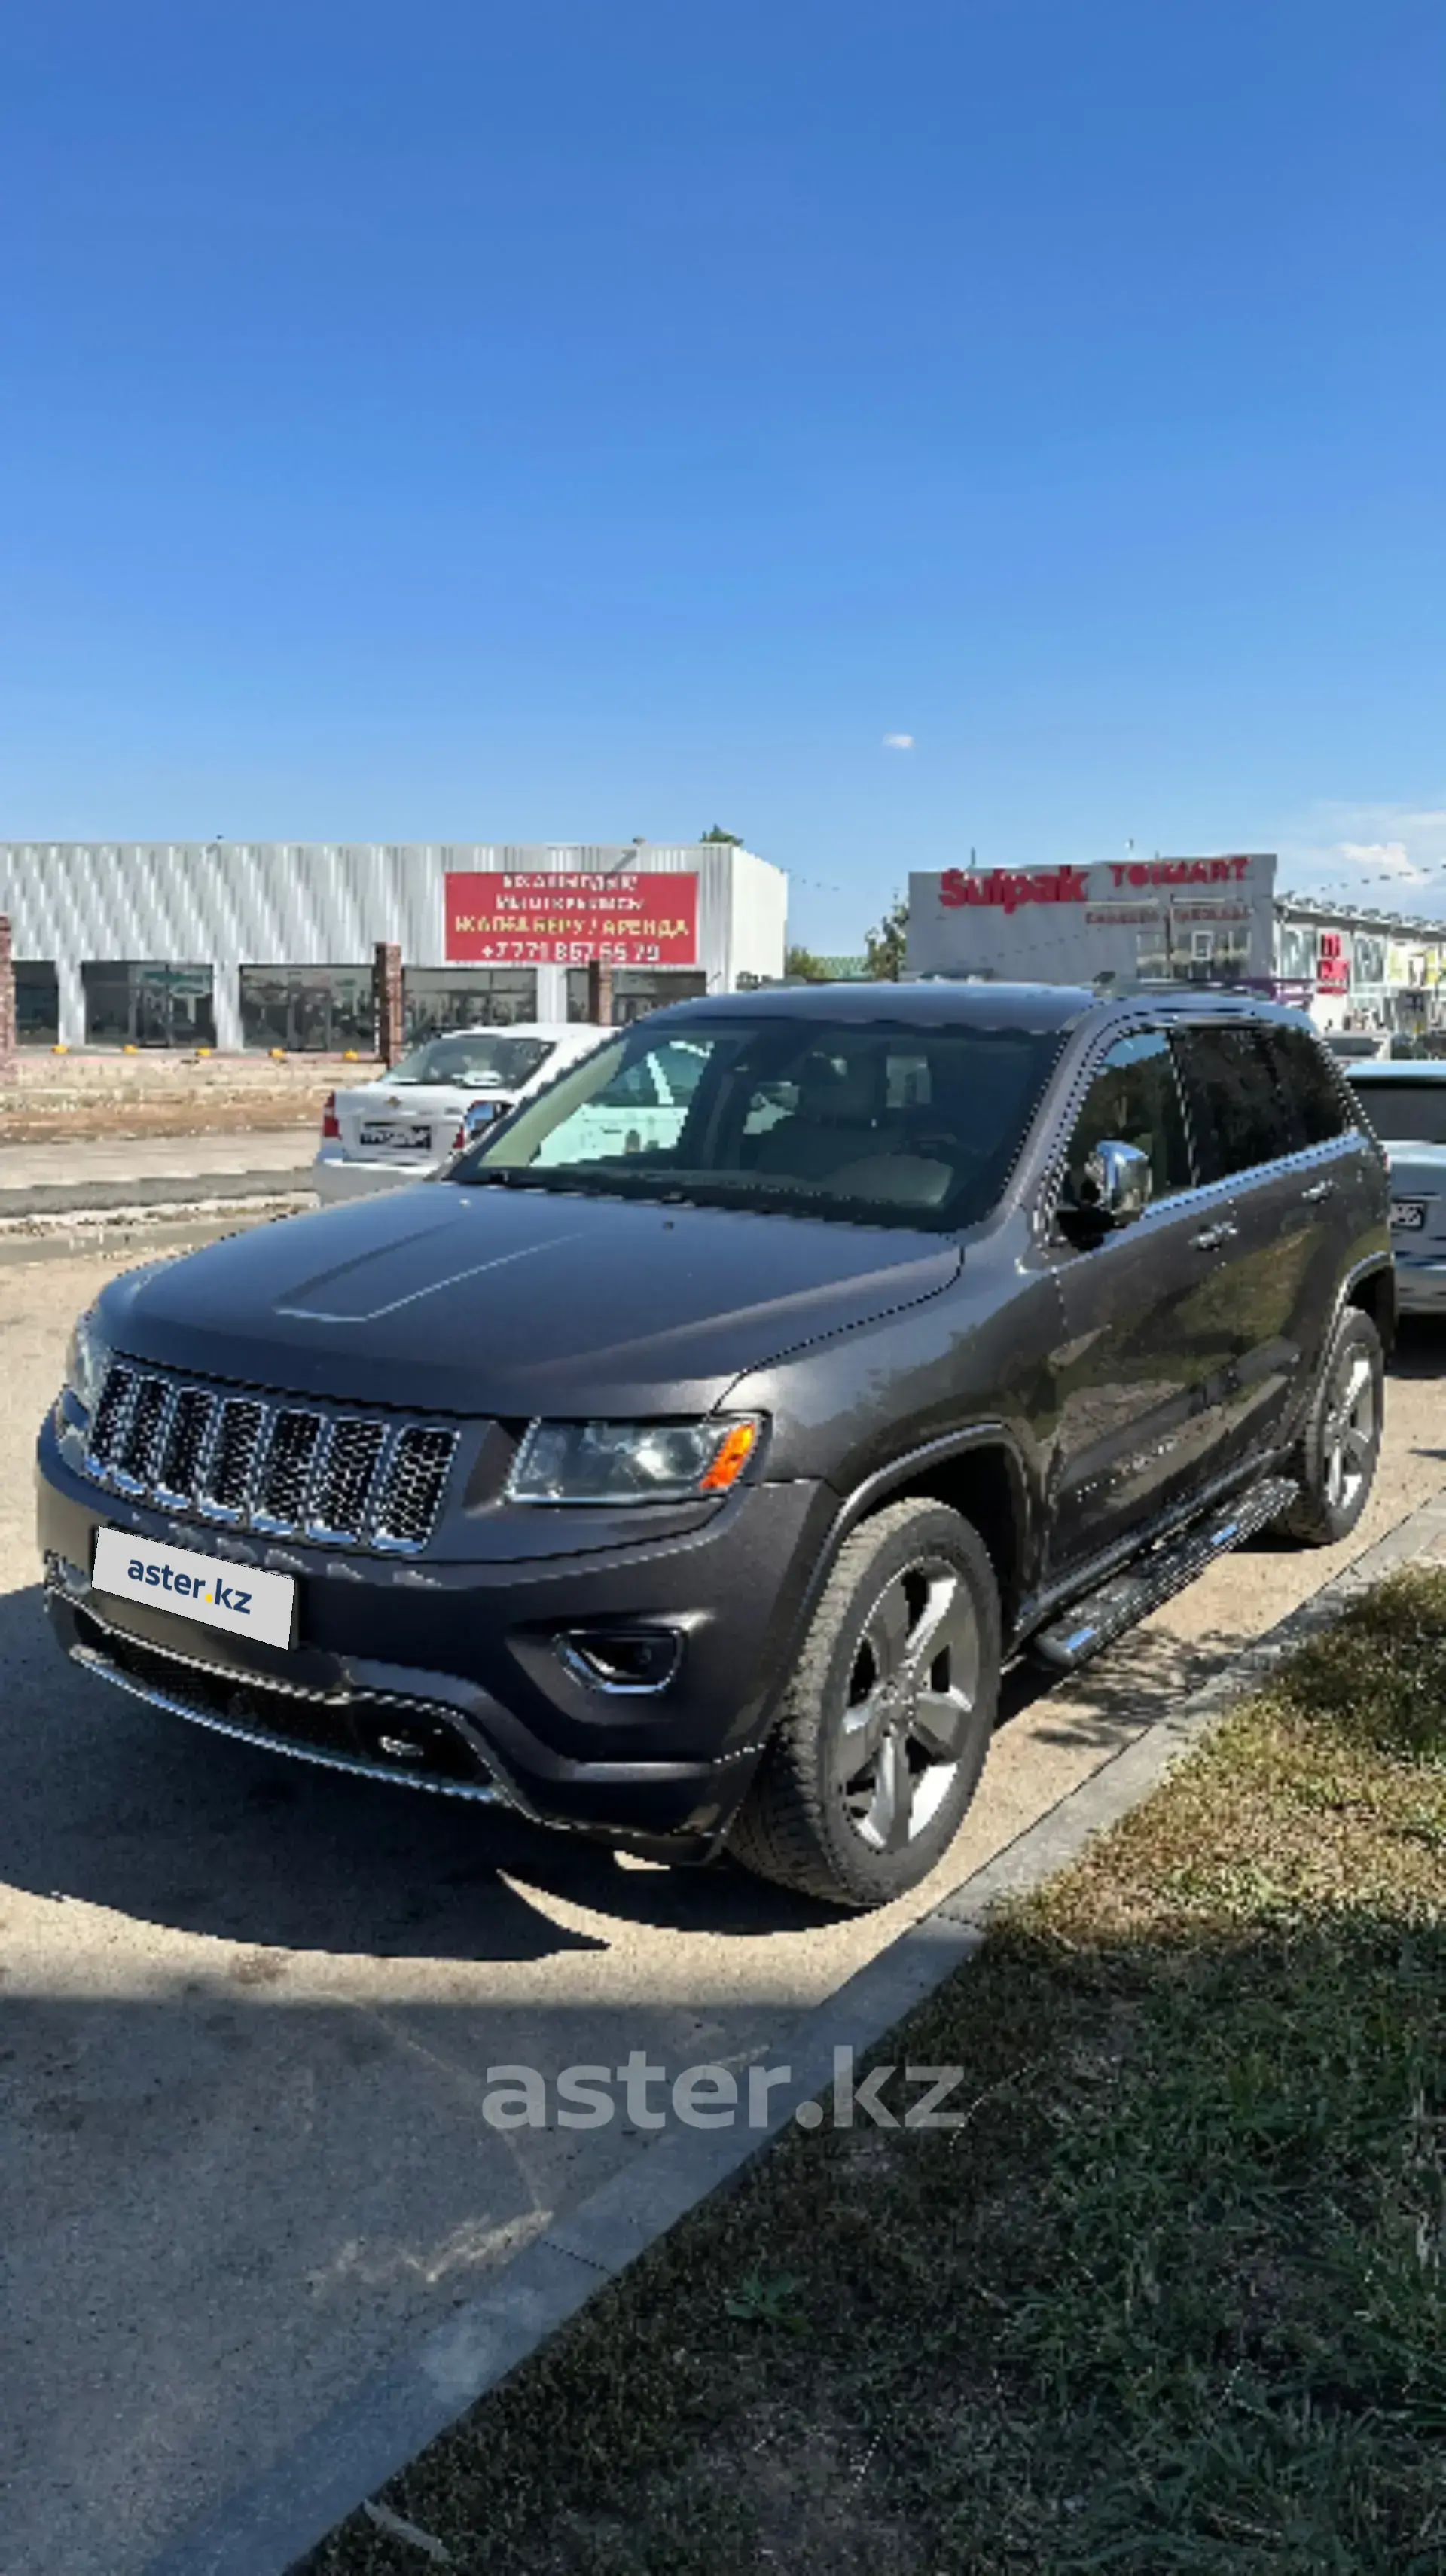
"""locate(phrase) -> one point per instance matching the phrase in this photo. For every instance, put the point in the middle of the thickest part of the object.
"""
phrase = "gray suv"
(688, 1480)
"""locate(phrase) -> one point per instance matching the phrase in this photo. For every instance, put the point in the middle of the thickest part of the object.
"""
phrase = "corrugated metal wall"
(322, 903)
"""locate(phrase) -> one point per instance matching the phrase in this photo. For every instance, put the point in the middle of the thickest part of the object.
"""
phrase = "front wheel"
(887, 1718)
(1341, 1445)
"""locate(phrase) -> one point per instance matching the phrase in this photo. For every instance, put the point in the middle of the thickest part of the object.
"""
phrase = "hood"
(494, 1302)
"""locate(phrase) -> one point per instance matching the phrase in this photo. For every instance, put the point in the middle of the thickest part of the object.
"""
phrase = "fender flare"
(869, 1493)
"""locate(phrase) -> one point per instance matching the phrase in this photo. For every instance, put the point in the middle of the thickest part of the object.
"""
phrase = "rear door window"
(1236, 1100)
(1309, 1087)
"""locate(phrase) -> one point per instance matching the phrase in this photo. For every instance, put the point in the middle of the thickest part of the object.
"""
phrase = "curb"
(376, 2432)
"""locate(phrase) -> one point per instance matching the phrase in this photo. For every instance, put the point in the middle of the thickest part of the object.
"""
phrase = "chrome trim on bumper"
(481, 1794)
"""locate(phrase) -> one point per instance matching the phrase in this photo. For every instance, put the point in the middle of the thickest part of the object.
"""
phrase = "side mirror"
(478, 1118)
(1112, 1187)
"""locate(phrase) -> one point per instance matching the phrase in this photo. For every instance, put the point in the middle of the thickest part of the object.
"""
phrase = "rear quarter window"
(1311, 1089)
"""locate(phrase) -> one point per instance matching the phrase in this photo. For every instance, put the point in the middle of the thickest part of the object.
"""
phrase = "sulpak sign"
(1010, 887)
(1120, 921)
(546, 919)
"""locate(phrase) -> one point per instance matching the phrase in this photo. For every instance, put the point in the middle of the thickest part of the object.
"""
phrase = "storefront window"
(37, 1003)
(439, 998)
(636, 991)
(308, 1010)
(141, 1003)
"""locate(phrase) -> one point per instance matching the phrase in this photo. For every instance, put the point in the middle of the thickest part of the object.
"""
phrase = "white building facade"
(1206, 920)
(270, 944)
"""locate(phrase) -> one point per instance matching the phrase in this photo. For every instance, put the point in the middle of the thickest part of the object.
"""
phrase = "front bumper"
(449, 1677)
(1420, 1287)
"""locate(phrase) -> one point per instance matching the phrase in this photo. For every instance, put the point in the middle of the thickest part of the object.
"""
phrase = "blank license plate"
(411, 1140)
(234, 1597)
(1408, 1216)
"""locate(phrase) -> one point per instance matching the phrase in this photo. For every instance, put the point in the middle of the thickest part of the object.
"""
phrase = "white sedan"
(410, 1123)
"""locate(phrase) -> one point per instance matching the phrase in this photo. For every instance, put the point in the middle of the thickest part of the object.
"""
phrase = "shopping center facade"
(1210, 920)
(272, 943)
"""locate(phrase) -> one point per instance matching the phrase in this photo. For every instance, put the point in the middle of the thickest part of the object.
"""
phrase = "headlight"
(633, 1462)
(86, 1361)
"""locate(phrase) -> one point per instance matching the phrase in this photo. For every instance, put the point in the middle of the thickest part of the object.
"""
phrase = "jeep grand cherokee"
(689, 1483)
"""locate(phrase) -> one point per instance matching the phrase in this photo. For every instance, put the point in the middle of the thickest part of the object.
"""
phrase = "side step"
(1098, 1618)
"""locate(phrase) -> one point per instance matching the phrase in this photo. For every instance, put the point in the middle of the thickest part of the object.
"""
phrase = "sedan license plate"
(410, 1140)
(1408, 1216)
(207, 1588)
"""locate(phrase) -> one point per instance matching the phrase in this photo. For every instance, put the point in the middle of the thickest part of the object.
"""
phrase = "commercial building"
(271, 943)
(1216, 920)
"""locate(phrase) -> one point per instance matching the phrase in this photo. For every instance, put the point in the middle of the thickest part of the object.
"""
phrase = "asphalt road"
(66, 1163)
(247, 2010)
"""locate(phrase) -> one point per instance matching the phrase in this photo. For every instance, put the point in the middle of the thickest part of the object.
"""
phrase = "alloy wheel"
(910, 1719)
(1349, 1437)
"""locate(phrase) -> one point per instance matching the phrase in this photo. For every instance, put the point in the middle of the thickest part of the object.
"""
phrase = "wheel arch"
(980, 1474)
(1372, 1288)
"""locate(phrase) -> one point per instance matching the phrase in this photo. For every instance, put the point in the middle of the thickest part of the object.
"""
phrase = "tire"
(880, 1746)
(1341, 1443)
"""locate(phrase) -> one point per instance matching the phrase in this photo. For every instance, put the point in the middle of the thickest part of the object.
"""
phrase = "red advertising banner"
(547, 920)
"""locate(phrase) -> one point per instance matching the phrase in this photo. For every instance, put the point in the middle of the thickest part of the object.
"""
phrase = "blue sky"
(569, 420)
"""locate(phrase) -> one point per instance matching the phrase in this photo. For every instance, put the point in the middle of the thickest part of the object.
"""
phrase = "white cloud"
(898, 742)
(1383, 859)
(1370, 853)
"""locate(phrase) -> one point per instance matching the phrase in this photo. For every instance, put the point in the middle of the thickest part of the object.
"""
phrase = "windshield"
(1410, 1112)
(876, 1123)
(482, 1060)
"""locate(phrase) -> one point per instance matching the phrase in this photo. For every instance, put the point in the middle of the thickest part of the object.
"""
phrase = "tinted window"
(1237, 1107)
(309, 1009)
(1312, 1093)
(1405, 1112)
(148, 1004)
(806, 1116)
(1134, 1099)
(37, 1003)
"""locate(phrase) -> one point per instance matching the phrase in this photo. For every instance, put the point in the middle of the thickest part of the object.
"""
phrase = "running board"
(1098, 1618)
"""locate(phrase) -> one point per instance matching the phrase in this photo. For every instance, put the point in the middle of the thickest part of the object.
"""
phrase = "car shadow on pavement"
(118, 1805)
(1131, 1686)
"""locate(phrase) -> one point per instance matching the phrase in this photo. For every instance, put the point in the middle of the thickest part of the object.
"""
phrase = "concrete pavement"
(248, 2012)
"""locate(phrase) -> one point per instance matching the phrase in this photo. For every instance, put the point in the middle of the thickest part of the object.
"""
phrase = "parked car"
(1354, 1046)
(1406, 1105)
(408, 1123)
(685, 1464)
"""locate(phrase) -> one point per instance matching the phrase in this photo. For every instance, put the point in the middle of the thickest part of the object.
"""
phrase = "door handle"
(1319, 1190)
(1214, 1235)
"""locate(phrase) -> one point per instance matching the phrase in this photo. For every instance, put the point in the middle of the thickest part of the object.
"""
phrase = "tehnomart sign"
(542, 919)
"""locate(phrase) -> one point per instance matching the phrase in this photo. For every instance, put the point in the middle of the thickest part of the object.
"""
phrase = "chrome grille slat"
(339, 1479)
(183, 1453)
(112, 1413)
(337, 1507)
(225, 1485)
(140, 1442)
(412, 1488)
(286, 1470)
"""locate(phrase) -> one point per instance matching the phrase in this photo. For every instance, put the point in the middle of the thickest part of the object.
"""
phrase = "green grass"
(1171, 2304)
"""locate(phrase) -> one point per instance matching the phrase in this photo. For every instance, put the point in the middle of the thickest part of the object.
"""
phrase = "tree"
(734, 840)
(802, 964)
(884, 947)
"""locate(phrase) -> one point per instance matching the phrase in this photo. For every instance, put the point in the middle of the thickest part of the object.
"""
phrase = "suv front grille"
(342, 1479)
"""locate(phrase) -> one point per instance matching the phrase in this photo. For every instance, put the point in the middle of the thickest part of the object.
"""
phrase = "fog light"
(622, 1659)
